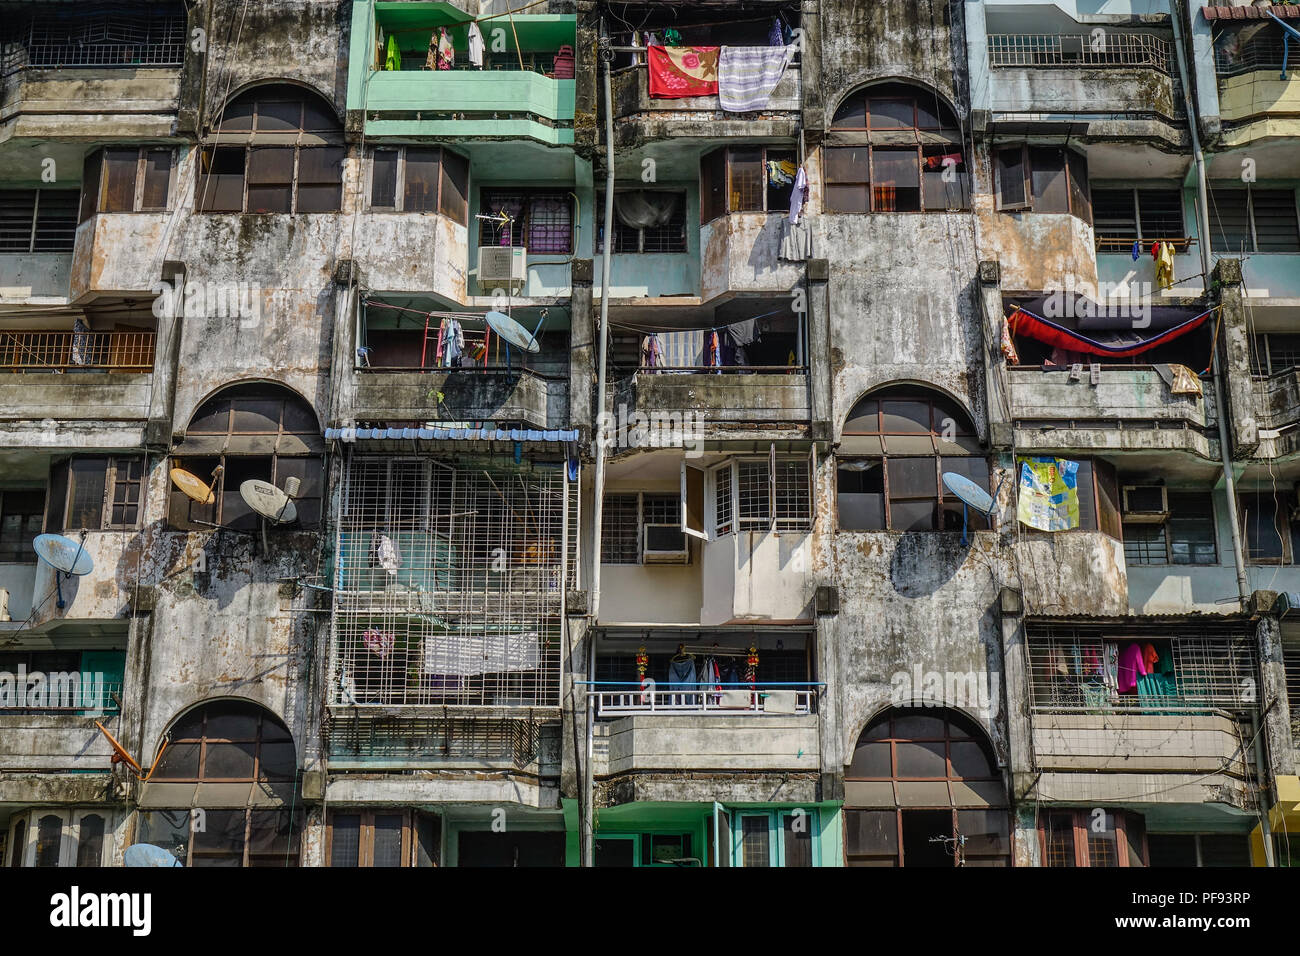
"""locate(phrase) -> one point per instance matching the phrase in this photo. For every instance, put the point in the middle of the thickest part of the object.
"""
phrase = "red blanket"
(679, 71)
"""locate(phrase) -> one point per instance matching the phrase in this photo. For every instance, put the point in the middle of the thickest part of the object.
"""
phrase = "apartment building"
(480, 433)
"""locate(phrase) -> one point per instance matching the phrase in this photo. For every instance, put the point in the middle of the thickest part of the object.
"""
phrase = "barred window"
(632, 524)
(620, 543)
(667, 234)
(763, 501)
(753, 494)
(541, 220)
(1185, 537)
(723, 510)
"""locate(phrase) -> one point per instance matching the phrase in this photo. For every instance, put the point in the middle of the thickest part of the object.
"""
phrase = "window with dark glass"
(95, 492)
(275, 150)
(1186, 536)
(746, 179)
(1249, 219)
(38, 220)
(22, 511)
(253, 431)
(1092, 838)
(383, 838)
(910, 158)
(1047, 179)
(1272, 527)
(420, 179)
(541, 220)
(90, 840)
(904, 440)
(126, 179)
(1124, 216)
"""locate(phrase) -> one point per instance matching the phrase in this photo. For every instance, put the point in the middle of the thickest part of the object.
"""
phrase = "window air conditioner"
(664, 544)
(1147, 504)
(502, 266)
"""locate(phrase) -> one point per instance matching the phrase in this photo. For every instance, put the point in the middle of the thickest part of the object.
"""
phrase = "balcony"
(1129, 408)
(739, 253)
(44, 743)
(767, 396)
(495, 395)
(413, 253)
(1116, 77)
(75, 376)
(1255, 101)
(117, 254)
(639, 116)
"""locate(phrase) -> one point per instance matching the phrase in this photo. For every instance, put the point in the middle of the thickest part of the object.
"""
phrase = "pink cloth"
(1131, 667)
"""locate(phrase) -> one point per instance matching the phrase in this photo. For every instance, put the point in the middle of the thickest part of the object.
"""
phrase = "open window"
(746, 179)
(257, 430)
(126, 179)
(1046, 179)
(276, 149)
(772, 494)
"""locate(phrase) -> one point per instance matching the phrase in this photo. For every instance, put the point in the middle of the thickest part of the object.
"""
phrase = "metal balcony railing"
(616, 699)
(1100, 49)
(35, 351)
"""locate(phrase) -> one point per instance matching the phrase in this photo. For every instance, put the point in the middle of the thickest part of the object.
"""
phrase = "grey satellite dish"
(67, 558)
(970, 495)
(268, 501)
(146, 854)
(514, 333)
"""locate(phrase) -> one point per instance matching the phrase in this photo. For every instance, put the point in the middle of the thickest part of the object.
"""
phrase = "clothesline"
(650, 330)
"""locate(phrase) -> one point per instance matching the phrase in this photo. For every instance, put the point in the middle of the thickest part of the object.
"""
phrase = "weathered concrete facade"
(263, 245)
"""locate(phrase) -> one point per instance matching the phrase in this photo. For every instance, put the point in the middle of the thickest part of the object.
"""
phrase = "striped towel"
(747, 75)
(682, 349)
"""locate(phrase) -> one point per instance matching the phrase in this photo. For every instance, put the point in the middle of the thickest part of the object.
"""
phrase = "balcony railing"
(617, 699)
(70, 694)
(27, 351)
(1103, 49)
(1261, 53)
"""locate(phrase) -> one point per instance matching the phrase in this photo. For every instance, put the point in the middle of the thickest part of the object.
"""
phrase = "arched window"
(895, 148)
(20, 844)
(896, 445)
(228, 742)
(49, 840)
(923, 789)
(275, 149)
(256, 430)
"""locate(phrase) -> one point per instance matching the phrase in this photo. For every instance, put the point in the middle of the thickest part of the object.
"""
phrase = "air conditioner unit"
(1145, 504)
(502, 266)
(664, 544)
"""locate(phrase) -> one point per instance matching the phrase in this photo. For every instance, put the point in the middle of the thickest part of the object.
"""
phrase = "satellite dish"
(63, 554)
(510, 330)
(268, 501)
(970, 495)
(193, 486)
(146, 854)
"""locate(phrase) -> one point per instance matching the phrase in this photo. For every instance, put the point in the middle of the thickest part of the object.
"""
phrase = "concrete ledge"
(467, 787)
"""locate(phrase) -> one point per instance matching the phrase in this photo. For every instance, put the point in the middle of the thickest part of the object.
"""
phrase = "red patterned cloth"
(680, 71)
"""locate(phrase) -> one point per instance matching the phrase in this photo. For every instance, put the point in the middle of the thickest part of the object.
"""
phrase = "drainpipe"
(1203, 227)
(588, 785)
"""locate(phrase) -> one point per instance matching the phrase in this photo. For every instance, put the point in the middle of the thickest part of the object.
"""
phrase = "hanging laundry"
(1131, 667)
(651, 355)
(672, 37)
(379, 643)
(682, 350)
(715, 350)
(796, 241)
(446, 52)
(476, 47)
(799, 196)
(384, 554)
(677, 72)
(1049, 494)
(1150, 656)
(393, 61)
(774, 35)
(781, 172)
(1186, 382)
(1008, 345)
(1165, 265)
(80, 342)
(431, 55)
(453, 343)
(748, 76)
(1155, 250)
(938, 162)
(1137, 250)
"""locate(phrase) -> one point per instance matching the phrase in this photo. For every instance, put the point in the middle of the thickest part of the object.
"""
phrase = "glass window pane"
(891, 113)
(454, 203)
(852, 114)
(797, 834)
(919, 727)
(221, 841)
(423, 172)
(848, 198)
(912, 515)
(119, 180)
(324, 198)
(49, 838)
(387, 847)
(320, 165)
(987, 832)
(912, 478)
(86, 505)
(270, 165)
(906, 417)
(157, 178)
(969, 760)
(256, 416)
(1011, 177)
(383, 179)
(871, 760)
(279, 116)
(1049, 181)
(179, 762)
(278, 760)
(345, 839)
(870, 832)
(1103, 846)
(747, 180)
(755, 842)
(1058, 839)
(921, 759)
(270, 199)
(848, 164)
(90, 840)
(229, 761)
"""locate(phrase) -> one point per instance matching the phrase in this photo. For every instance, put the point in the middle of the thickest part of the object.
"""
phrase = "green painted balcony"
(524, 90)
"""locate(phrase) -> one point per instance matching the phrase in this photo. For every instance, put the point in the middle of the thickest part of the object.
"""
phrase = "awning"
(558, 436)
(1283, 11)
(1102, 331)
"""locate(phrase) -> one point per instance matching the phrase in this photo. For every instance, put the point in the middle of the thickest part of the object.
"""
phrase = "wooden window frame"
(94, 181)
(1080, 821)
(258, 740)
(399, 186)
(366, 835)
(111, 465)
(1248, 500)
(726, 152)
(23, 854)
(21, 557)
(1068, 157)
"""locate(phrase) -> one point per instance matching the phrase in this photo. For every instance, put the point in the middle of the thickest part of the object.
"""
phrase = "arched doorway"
(923, 789)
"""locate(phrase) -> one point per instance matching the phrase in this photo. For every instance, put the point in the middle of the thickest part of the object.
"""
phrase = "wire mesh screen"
(449, 584)
(98, 35)
(352, 735)
(1143, 674)
(1099, 49)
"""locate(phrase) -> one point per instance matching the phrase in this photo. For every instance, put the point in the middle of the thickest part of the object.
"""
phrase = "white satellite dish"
(268, 501)
(67, 558)
(512, 331)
